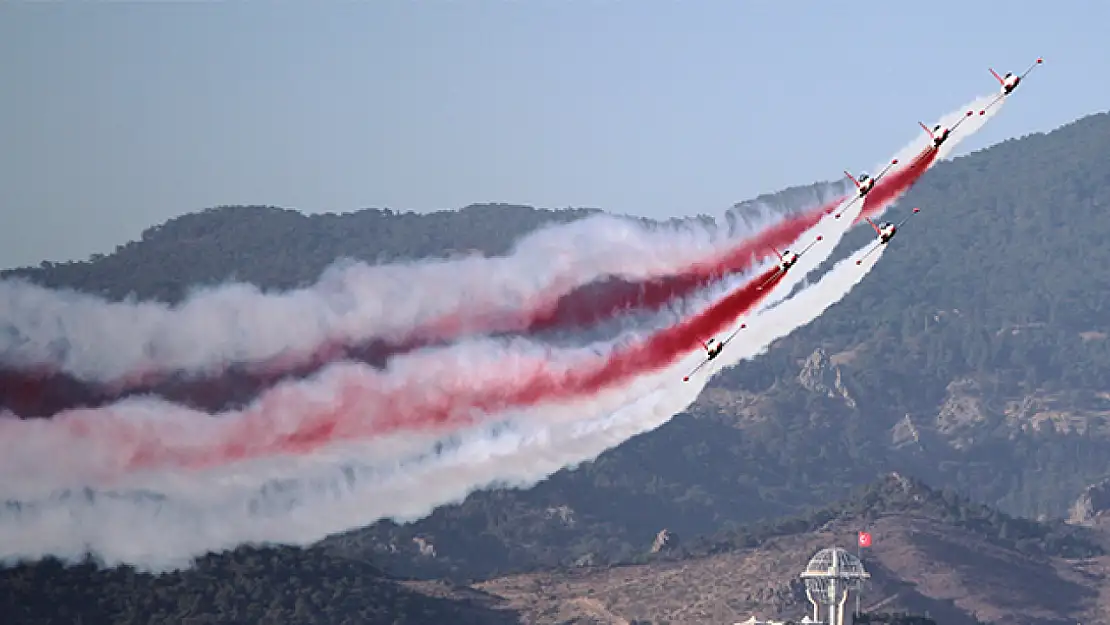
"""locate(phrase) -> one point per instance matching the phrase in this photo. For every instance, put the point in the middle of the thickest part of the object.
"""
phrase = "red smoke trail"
(659, 351)
(582, 307)
(600, 301)
(894, 184)
(45, 393)
(288, 420)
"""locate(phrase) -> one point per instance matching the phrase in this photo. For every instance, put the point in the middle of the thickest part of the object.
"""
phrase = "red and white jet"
(939, 134)
(713, 348)
(786, 260)
(864, 184)
(885, 233)
(1008, 83)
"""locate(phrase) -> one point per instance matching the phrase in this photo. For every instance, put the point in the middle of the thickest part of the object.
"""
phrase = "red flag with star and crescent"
(864, 539)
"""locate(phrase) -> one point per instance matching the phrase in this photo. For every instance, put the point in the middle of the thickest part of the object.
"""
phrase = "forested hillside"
(281, 585)
(975, 356)
(280, 248)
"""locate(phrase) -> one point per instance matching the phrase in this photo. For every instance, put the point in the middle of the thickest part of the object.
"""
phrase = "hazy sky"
(117, 116)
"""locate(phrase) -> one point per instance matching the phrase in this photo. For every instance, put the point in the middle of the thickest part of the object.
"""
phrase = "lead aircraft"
(1008, 83)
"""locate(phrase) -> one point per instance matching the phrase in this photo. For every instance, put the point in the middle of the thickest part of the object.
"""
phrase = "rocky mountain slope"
(932, 553)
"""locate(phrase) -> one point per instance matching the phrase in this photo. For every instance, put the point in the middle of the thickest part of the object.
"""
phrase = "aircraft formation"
(938, 134)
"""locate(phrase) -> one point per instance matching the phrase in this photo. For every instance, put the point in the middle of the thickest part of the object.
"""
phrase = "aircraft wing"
(876, 245)
(810, 246)
(1031, 67)
(962, 120)
(912, 213)
(733, 335)
(695, 370)
(996, 100)
(885, 170)
(850, 202)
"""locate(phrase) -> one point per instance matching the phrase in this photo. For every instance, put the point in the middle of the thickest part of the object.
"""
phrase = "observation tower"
(829, 578)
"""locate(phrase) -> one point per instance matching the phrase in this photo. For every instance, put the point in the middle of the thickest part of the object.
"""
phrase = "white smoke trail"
(355, 400)
(968, 126)
(828, 290)
(176, 516)
(157, 531)
(96, 340)
(182, 516)
(803, 308)
(832, 230)
(160, 520)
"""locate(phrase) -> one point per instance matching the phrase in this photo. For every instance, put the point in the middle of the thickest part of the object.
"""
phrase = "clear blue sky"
(118, 116)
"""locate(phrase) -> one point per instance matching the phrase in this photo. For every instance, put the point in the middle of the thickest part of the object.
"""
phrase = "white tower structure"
(829, 577)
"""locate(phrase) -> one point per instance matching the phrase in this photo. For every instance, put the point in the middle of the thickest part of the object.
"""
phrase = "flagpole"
(859, 554)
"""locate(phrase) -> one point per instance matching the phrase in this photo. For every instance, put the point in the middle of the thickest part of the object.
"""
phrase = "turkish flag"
(864, 539)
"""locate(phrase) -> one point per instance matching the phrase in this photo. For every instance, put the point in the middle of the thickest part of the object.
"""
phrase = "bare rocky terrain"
(918, 563)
